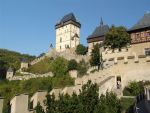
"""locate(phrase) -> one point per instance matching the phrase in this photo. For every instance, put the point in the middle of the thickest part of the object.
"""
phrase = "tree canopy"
(81, 50)
(117, 37)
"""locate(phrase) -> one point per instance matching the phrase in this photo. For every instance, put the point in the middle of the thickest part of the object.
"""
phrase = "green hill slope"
(11, 59)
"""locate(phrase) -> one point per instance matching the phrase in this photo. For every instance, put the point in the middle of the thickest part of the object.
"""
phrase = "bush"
(82, 68)
(81, 50)
(133, 89)
(59, 66)
(72, 65)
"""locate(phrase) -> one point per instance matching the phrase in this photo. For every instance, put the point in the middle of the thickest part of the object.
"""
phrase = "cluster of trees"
(117, 37)
(11, 59)
(87, 101)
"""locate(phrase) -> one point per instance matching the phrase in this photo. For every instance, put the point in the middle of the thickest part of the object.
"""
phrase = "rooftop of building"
(24, 60)
(10, 69)
(144, 22)
(68, 18)
(100, 31)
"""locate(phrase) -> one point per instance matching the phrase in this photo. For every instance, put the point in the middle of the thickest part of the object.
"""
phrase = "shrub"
(72, 65)
(81, 50)
(82, 68)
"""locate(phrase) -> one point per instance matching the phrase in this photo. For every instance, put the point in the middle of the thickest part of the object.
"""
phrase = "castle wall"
(19, 104)
(1, 105)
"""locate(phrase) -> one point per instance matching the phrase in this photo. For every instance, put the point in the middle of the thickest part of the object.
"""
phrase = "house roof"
(99, 31)
(68, 18)
(144, 22)
(10, 69)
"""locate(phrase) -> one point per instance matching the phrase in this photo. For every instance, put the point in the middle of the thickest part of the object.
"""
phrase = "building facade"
(97, 36)
(67, 33)
(140, 35)
(10, 73)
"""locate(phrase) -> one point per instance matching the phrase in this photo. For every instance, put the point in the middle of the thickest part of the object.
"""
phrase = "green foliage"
(72, 65)
(81, 50)
(82, 68)
(59, 66)
(11, 59)
(41, 67)
(133, 89)
(39, 108)
(126, 103)
(95, 56)
(117, 37)
(31, 86)
(87, 101)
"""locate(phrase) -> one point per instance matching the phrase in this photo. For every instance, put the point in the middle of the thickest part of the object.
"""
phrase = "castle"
(131, 64)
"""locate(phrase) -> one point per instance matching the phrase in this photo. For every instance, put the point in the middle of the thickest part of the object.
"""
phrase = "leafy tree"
(39, 108)
(81, 50)
(72, 64)
(89, 97)
(95, 56)
(59, 66)
(117, 37)
(50, 103)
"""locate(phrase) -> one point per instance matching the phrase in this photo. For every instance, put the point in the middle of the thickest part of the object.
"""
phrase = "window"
(148, 34)
(60, 47)
(60, 39)
(147, 51)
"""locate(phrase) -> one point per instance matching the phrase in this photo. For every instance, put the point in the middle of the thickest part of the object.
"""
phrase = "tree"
(59, 66)
(95, 56)
(72, 65)
(89, 97)
(81, 50)
(117, 37)
(39, 108)
(50, 103)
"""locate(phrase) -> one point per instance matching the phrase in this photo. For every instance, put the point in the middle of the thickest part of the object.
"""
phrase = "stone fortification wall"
(27, 76)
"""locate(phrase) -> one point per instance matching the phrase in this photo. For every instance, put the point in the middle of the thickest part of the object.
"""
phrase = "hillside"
(11, 59)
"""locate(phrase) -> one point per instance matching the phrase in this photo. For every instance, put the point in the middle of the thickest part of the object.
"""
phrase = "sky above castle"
(27, 26)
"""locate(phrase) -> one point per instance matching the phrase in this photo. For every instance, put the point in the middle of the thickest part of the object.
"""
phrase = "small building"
(97, 36)
(140, 35)
(24, 64)
(10, 73)
(67, 33)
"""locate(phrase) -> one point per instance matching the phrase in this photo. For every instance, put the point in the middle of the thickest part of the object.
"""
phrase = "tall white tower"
(67, 33)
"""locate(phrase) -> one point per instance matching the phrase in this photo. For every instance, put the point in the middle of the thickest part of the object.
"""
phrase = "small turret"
(10, 73)
(24, 64)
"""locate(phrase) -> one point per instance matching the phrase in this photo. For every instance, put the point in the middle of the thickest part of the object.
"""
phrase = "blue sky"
(27, 26)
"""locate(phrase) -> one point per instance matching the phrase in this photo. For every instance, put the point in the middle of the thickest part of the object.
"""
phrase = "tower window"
(60, 39)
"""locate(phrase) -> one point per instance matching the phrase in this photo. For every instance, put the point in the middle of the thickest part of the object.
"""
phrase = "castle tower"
(67, 33)
(10, 73)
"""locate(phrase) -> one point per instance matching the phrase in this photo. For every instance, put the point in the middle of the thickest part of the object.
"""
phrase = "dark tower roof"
(144, 22)
(24, 60)
(10, 69)
(100, 30)
(67, 19)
